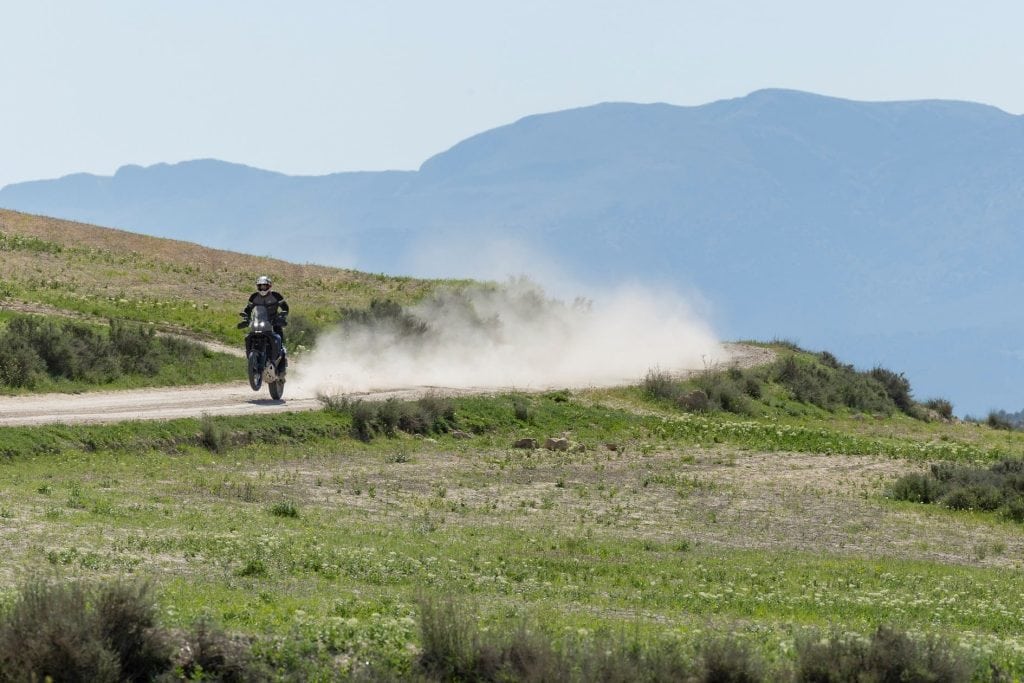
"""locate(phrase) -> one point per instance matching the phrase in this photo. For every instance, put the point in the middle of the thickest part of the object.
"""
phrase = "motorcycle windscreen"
(260, 319)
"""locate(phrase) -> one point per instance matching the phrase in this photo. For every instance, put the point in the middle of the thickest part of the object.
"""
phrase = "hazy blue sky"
(315, 87)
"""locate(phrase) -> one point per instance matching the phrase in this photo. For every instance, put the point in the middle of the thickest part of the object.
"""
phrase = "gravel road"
(226, 399)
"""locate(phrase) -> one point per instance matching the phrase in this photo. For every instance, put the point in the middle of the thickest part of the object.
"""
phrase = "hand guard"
(242, 325)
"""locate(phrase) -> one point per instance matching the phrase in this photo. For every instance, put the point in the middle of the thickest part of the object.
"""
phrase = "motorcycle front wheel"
(255, 371)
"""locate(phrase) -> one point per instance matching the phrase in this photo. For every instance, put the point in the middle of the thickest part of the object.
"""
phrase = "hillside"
(61, 267)
(885, 231)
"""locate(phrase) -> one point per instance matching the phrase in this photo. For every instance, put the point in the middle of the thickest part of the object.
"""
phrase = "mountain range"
(886, 232)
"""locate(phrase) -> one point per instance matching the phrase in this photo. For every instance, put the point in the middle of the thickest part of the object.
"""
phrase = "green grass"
(320, 545)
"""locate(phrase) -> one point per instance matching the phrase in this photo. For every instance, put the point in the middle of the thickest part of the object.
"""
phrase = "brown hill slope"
(63, 266)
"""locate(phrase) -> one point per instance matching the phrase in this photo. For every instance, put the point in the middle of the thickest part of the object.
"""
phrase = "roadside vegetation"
(40, 353)
(798, 382)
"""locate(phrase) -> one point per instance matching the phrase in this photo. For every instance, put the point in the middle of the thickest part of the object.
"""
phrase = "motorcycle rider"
(277, 311)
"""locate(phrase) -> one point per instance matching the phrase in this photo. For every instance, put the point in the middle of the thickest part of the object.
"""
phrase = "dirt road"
(224, 399)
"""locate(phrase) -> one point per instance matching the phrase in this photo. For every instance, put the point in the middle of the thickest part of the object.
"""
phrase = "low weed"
(285, 508)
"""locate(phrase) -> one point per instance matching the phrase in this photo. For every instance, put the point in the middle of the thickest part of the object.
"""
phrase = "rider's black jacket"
(274, 303)
(272, 300)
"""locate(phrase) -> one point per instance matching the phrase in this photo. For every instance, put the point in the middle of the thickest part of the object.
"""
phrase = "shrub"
(999, 420)
(521, 409)
(889, 655)
(1000, 487)
(363, 420)
(212, 435)
(941, 406)
(659, 384)
(389, 414)
(1014, 509)
(973, 497)
(729, 661)
(829, 385)
(71, 633)
(896, 386)
(284, 508)
(384, 315)
(20, 365)
(916, 488)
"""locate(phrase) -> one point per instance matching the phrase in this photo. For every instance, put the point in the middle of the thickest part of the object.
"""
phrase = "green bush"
(896, 386)
(20, 365)
(430, 414)
(661, 385)
(71, 633)
(831, 384)
(999, 487)
(383, 315)
(33, 348)
(999, 420)
(916, 488)
(212, 435)
(889, 655)
(284, 508)
(941, 406)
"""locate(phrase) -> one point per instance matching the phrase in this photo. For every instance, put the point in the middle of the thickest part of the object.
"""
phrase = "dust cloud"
(510, 336)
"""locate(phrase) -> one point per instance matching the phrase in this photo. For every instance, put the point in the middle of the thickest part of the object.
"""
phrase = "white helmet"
(263, 284)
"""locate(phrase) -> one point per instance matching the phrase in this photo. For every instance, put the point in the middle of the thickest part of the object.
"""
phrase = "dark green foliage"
(729, 390)
(430, 414)
(659, 384)
(897, 388)
(71, 633)
(364, 417)
(999, 420)
(941, 406)
(726, 660)
(1000, 487)
(20, 365)
(35, 350)
(830, 385)
(916, 488)
(521, 408)
(888, 656)
(388, 415)
(213, 435)
(383, 315)
(301, 331)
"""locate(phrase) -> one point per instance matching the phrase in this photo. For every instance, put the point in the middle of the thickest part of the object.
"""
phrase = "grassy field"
(654, 525)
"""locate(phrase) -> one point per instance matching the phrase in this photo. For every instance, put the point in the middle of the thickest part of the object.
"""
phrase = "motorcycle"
(266, 355)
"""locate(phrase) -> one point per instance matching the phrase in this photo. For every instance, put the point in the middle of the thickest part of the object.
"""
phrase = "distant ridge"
(889, 232)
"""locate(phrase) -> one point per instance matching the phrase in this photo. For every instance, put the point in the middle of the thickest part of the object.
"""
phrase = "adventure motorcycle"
(267, 357)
